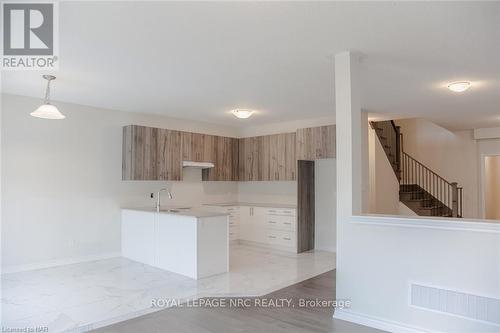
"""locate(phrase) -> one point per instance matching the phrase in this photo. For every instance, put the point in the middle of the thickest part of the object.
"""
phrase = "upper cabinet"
(225, 158)
(269, 157)
(282, 162)
(249, 159)
(157, 154)
(169, 155)
(151, 154)
(316, 143)
(198, 147)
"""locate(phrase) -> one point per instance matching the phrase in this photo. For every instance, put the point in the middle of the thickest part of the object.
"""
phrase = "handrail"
(426, 167)
(394, 125)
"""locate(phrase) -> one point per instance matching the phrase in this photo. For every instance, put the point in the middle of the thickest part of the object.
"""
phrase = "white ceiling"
(199, 60)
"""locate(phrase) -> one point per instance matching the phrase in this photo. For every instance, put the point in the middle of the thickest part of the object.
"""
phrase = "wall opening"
(492, 187)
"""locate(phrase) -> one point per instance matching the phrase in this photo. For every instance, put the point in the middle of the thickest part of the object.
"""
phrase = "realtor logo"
(29, 35)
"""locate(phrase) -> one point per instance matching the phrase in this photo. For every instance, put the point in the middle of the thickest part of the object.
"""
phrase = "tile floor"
(80, 297)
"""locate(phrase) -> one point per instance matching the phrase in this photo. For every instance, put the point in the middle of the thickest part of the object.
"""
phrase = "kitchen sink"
(171, 210)
(175, 210)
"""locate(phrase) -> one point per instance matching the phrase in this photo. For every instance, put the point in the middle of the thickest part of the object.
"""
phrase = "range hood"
(198, 165)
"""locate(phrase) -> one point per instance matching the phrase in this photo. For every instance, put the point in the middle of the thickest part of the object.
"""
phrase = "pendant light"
(47, 110)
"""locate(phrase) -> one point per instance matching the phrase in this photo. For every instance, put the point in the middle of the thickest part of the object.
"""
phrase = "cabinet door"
(139, 154)
(259, 224)
(282, 156)
(192, 147)
(169, 155)
(198, 147)
(277, 157)
(316, 143)
(226, 160)
(138, 234)
(151, 154)
(249, 159)
(244, 223)
(252, 224)
(264, 171)
(290, 157)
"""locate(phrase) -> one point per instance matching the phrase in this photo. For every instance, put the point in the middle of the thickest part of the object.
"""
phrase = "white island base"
(194, 245)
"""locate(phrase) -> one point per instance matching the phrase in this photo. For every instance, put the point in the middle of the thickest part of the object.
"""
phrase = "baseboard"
(377, 322)
(58, 262)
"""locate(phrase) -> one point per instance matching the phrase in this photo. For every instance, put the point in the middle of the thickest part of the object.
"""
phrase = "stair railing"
(390, 137)
(416, 173)
(409, 171)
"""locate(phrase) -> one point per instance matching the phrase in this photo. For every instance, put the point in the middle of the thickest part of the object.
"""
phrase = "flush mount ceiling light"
(242, 113)
(47, 110)
(459, 86)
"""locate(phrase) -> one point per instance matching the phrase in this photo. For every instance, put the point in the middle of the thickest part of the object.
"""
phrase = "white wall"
(61, 182)
(453, 155)
(285, 126)
(1, 134)
(378, 257)
(279, 192)
(325, 195)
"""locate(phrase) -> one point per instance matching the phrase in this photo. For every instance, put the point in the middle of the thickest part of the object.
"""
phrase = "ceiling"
(199, 60)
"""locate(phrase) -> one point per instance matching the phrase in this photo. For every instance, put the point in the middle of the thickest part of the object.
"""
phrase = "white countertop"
(253, 204)
(192, 212)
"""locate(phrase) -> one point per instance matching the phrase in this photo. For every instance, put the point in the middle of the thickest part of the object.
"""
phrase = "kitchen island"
(190, 242)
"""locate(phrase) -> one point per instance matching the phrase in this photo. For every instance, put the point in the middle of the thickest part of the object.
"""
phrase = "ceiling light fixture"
(459, 86)
(47, 110)
(242, 113)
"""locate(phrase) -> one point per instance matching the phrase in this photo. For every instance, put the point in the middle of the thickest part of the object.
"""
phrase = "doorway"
(491, 187)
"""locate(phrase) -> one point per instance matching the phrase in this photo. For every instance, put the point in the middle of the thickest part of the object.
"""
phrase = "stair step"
(431, 207)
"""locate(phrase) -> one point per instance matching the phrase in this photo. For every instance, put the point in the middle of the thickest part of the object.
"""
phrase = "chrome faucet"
(158, 195)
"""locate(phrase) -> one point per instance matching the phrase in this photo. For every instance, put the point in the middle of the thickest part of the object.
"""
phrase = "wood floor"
(250, 319)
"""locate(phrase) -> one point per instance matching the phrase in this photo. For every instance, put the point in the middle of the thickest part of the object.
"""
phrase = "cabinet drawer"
(232, 209)
(281, 222)
(282, 238)
(281, 211)
(233, 221)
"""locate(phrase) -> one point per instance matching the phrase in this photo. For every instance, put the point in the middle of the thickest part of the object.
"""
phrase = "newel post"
(454, 199)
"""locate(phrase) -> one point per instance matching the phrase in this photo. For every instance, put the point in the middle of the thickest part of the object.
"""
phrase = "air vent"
(465, 305)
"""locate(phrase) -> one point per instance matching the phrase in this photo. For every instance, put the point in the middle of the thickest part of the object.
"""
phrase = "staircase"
(420, 189)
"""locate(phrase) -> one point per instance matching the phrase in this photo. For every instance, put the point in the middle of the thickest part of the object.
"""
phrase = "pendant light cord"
(47, 93)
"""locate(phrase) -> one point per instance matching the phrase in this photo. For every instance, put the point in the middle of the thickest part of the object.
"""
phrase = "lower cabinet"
(275, 227)
(272, 227)
(234, 222)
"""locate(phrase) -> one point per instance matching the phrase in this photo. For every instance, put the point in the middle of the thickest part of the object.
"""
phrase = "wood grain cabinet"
(198, 147)
(282, 161)
(151, 154)
(169, 155)
(316, 143)
(157, 154)
(249, 160)
(269, 157)
(225, 158)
